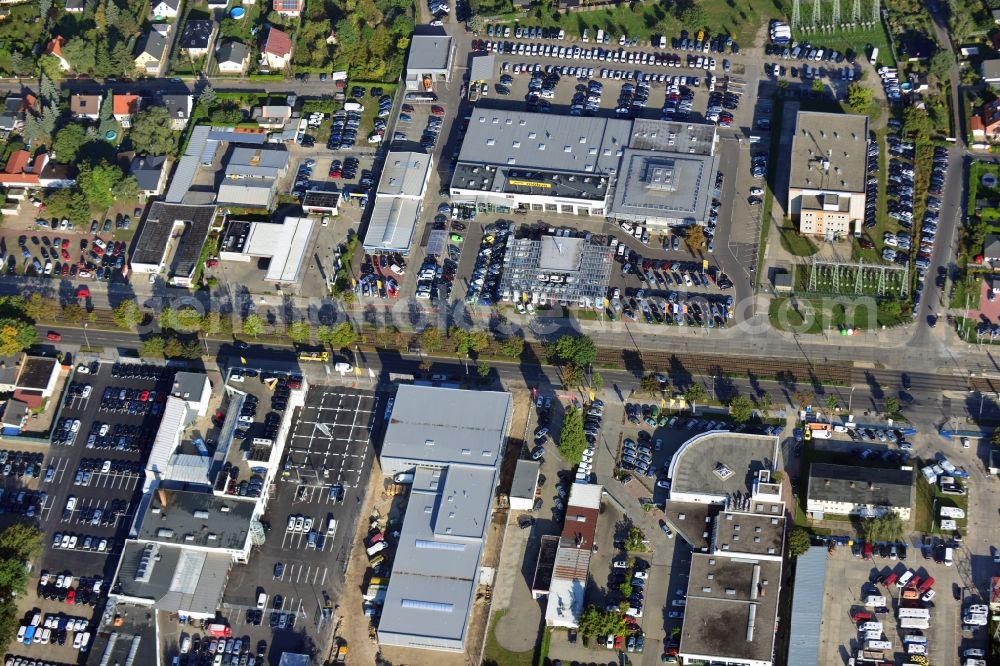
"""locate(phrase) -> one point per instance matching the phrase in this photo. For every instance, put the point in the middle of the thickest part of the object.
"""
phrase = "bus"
(314, 356)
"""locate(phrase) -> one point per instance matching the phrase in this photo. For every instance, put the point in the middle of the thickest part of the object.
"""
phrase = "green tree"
(38, 307)
(572, 440)
(995, 437)
(151, 133)
(253, 324)
(798, 542)
(597, 381)
(186, 320)
(577, 350)
(859, 97)
(512, 347)
(68, 142)
(68, 203)
(73, 313)
(16, 335)
(740, 408)
(650, 384)
(173, 348)
(101, 184)
(818, 85)
(693, 15)
(81, 53)
(484, 369)
(598, 623)
(431, 339)
(299, 332)
(940, 65)
(212, 323)
(764, 402)
(635, 542)
(127, 315)
(340, 336)
(572, 375)
(832, 403)
(153, 346)
(695, 394)
(891, 405)
(191, 350)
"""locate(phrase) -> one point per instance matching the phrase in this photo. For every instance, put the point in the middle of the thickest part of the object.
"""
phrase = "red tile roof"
(125, 105)
(278, 43)
(17, 161)
(55, 46)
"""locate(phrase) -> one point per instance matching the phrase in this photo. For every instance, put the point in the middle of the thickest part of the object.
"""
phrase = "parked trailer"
(914, 612)
(878, 645)
(914, 623)
(874, 600)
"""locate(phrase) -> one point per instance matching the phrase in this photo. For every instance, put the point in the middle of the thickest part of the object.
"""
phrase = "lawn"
(795, 243)
(930, 499)
(648, 19)
(816, 315)
(495, 655)
(858, 41)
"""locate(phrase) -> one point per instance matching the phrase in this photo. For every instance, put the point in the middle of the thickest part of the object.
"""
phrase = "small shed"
(522, 488)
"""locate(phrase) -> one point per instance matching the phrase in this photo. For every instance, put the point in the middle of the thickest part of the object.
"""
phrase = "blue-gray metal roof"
(807, 607)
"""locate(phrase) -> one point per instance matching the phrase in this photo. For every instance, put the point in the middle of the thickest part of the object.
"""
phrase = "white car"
(299, 522)
(106, 467)
(86, 391)
(83, 369)
(347, 367)
(76, 426)
(620, 564)
(307, 524)
(663, 483)
(72, 543)
(65, 541)
(756, 191)
(70, 502)
(641, 575)
(103, 545)
(104, 429)
(291, 522)
(928, 595)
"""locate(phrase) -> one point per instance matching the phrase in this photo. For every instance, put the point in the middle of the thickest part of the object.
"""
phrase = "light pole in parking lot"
(87, 340)
(850, 397)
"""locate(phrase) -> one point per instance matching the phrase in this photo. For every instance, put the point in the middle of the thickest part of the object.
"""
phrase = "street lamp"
(849, 399)
(85, 338)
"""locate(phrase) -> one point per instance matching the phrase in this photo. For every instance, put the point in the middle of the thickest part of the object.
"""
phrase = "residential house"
(85, 107)
(986, 124)
(288, 7)
(14, 417)
(124, 107)
(991, 248)
(164, 9)
(75, 6)
(989, 69)
(54, 49)
(233, 57)
(150, 172)
(196, 38)
(270, 116)
(179, 107)
(15, 108)
(152, 51)
(22, 171)
(859, 490)
(277, 51)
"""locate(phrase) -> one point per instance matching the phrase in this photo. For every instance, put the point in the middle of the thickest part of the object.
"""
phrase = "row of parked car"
(119, 436)
(64, 541)
(484, 283)
(21, 463)
(929, 225)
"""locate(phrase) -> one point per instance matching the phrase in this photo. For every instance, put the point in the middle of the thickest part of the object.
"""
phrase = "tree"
(798, 542)
(73, 313)
(572, 375)
(650, 384)
(16, 335)
(512, 347)
(340, 336)
(577, 350)
(695, 394)
(940, 65)
(471, 343)
(995, 437)
(68, 142)
(635, 542)
(740, 408)
(185, 319)
(695, 237)
(299, 332)
(81, 53)
(572, 441)
(832, 403)
(886, 527)
(818, 86)
(596, 622)
(764, 401)
(153, 346)
(173, 348)
(431, 340)
(151, 133)
(207, 96)
(100, 184)
(212, 323)
(891, 405)
(68, 203)
(597, 381)
(37, 307)
(693, 15)
(803, 398)
(127, 315)
(484, 369)
(859, 97)
(191, 350)
(253, 324)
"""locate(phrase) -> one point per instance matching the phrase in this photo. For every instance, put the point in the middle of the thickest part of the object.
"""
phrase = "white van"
(403, 477)
(949, 556)
(600, 36)
(586, 35)
(354, 106)
(261, 601)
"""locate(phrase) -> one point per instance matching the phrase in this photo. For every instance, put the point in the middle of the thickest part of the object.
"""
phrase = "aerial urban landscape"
(500, 332)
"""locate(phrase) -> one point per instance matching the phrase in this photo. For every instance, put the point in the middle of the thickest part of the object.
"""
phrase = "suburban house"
(54, 49)
(152, 51)
(164, 9)
(150, 172)
(75, 6)
(991, 248)
(23, 171)
(85, 107)
(233, 57)
(270, 116)
(196, 38)
(989, 69)
(179, 107)
(288, 7)
(277, 51)
(15, 108)
(986, 124)
(124, 107)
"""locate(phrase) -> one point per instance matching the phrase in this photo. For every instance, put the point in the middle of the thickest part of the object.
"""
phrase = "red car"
(83, 292)
(144, 396)
(437, 110)
(71, 596)
(65, 243)
(65, 255)
(212, 263)
(55, 337)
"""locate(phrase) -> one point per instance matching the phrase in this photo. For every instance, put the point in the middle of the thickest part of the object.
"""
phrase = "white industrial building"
(571, 568)
(283, 244)
(430, 59)
(398, 202)
(659, 173)
(452, 441)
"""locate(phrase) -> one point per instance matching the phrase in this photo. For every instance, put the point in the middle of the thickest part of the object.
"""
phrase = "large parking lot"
(310, 523)
(88, 483)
